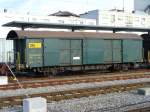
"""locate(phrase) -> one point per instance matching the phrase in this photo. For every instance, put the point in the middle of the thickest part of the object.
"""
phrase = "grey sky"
(50, 6)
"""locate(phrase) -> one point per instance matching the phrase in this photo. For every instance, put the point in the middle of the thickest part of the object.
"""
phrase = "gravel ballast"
(66, 87)
(113, 102)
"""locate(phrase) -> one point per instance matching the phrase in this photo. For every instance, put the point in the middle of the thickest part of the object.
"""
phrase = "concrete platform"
(3, 80)
(144, 91)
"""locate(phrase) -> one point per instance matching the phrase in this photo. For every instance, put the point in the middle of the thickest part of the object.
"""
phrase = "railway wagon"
(146, 47)
(51, 52)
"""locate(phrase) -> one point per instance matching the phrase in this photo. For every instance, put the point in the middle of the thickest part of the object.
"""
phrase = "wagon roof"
(60, 34)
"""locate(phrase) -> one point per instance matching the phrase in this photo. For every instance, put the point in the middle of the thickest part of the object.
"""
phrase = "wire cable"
(20, 85)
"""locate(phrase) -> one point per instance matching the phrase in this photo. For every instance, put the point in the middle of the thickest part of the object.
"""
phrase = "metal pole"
(123, 5)
(72, 29)
(114, 31)
(22, 28)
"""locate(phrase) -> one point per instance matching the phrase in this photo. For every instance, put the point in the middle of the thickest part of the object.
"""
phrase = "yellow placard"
(35, 45)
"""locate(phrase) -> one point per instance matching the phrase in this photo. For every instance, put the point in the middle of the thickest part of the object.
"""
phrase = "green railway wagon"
(102, 51)
(132, 51)
(47, 49)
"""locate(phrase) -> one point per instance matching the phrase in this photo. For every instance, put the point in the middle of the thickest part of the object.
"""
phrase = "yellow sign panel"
(35, 45)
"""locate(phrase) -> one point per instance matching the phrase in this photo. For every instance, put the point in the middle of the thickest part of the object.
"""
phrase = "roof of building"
(59, 34)
(23, 25)
(64, 14)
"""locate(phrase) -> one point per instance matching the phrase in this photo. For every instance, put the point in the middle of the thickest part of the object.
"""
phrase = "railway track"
(88, 74)
(144, 109)
(69, 94)
(44, 83)
(137, 107)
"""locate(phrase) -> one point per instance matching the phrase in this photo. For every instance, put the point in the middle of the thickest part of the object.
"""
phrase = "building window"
(61, 21)
(129, 20)
(112, 18)
(81, 22)
(34, 19)
(46, 20)
(143, 21)
(137, 19)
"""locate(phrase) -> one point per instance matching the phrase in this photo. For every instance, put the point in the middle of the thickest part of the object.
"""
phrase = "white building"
(118, 19)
